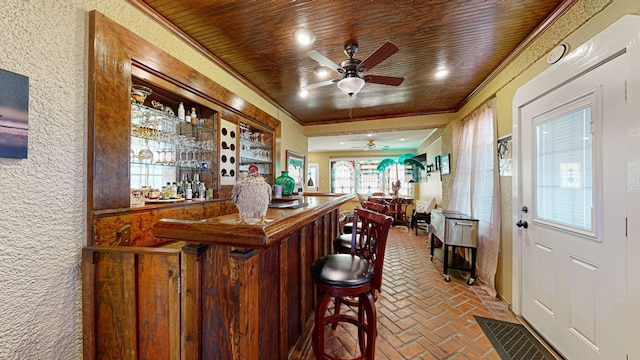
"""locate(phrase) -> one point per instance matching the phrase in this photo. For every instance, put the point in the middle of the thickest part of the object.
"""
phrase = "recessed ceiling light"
(402, 139)
(369, 135)
(321, 71)
(304, 36)
(441, 74)
(303, 93)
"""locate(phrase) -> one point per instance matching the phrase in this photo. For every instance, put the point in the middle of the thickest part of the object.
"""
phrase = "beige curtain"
(476, 189)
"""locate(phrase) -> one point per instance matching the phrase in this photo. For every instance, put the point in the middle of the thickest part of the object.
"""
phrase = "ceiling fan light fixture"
(351, 85)
(304, 36)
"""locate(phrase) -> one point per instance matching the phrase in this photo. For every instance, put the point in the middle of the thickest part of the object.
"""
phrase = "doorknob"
(522, 224)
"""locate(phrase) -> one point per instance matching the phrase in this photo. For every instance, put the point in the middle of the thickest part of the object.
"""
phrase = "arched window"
(361, 176)
(343, 176)
(368, 178)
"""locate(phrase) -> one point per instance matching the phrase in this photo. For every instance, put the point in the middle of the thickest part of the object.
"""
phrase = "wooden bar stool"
(372, 205)
(342, 244)
(352, 275)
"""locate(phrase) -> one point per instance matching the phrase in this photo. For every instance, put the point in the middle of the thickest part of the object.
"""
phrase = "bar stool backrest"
(371, 241)
(377, 207)
(376, 200)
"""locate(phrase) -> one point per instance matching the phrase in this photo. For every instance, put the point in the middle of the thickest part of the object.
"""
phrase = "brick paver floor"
(420, 316)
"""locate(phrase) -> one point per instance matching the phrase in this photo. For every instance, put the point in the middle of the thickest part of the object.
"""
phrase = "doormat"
(513, 341)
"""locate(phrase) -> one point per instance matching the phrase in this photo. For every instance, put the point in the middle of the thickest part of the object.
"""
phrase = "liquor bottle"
(181, 112)
(185, 180)
(195, 186)
(188, 192)
(167, 191)
(194, 117)
(202, 191)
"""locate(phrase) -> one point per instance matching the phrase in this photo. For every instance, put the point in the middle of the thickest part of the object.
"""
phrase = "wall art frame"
(297, 167)
(14, 115)
(444, 165)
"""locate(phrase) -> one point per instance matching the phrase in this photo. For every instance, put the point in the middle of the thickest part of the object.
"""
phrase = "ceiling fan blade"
(323, 60)
(387, 49)
(320, 84)
(384, 80)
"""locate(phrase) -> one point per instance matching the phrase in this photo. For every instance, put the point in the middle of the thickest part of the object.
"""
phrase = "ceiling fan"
(370, 145)
(352, 70)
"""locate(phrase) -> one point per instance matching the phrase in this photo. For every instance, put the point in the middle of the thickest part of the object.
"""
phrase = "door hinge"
(179, 284)
(625, 92)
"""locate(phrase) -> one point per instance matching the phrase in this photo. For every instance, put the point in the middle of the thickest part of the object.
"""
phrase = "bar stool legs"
(368, 308)
(366, 322)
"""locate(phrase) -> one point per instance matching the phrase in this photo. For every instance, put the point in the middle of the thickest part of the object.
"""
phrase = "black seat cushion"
(342, 244)
(348, 227)
(342, 270)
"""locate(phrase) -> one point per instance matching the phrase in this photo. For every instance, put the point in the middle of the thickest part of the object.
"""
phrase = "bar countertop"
(227, 230)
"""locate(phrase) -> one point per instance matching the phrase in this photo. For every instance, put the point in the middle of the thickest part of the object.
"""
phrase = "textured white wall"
(42, 211)
(43, 197)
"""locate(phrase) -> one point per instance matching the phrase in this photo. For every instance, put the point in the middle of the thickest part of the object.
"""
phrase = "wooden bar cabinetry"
(224, 291)
(120, 132)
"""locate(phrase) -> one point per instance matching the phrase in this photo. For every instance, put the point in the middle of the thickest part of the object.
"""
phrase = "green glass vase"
(287, 183)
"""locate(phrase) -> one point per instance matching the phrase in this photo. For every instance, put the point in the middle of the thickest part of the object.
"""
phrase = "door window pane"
(564, 170)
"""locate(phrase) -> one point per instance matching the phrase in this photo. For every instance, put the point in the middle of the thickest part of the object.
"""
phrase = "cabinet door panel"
(131, 303)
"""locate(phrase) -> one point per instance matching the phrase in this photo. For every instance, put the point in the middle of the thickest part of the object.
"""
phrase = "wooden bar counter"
(223, 290)
(227, 230)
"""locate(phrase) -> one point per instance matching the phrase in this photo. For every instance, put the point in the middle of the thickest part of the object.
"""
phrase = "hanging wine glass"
(160, 157)
(145, 155)
(184, 161)
(169, 158)
(193, 163)
(165, 154)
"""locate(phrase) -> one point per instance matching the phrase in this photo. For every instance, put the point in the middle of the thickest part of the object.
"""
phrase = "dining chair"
(398, 210)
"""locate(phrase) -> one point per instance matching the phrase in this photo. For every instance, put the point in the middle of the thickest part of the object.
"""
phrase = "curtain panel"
(476, 188)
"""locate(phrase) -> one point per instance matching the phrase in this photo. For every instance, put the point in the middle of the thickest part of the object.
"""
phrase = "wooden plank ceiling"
(254, 40)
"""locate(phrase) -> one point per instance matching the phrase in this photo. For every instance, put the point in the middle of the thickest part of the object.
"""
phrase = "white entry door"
(572, 231)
